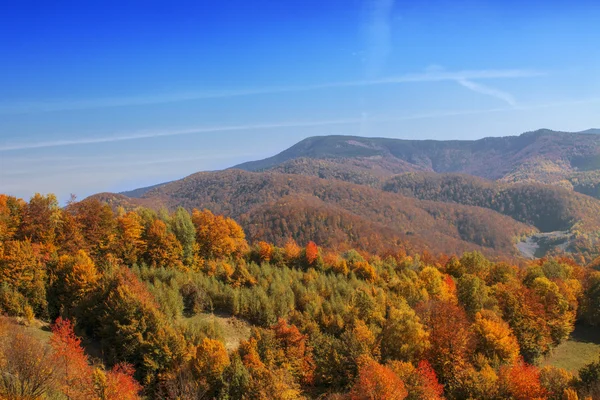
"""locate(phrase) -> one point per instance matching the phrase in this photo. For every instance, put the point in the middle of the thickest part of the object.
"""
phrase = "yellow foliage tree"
(163, 249)
(218, 237)
(80, 274)
(21, 269)
(404, 337)
(70, 281)
(495, 338)
(130, 243)
(210, 359)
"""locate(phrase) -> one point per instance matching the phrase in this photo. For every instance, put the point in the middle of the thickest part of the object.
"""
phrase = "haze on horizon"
(108, 96)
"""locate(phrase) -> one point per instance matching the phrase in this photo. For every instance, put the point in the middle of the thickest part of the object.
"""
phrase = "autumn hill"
(373, 194)
(125, 286)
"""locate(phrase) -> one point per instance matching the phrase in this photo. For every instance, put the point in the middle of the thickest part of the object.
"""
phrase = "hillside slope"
(547, 207)
(376, 193)
(542, 156)
(572, 218)
(275, 207)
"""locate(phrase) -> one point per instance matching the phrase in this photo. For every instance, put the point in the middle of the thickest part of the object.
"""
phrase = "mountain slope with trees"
(546, 207)
(276, 207)
(542, 156)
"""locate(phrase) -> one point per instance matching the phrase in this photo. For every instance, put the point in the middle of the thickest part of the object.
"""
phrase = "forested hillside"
(546, 207)
(347, 208)
(121, 291)
(529, 178)
(541, 156)
(275, 207)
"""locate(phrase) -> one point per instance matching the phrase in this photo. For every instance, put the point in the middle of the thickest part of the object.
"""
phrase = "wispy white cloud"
(360, 121)
(155, 134)
(428, 76)
(119, 165)
(216, 129)
(378, 32)
(489, 91)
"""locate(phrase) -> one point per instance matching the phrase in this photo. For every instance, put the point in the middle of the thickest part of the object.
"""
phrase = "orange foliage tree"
(450, 337)
(296, 351)
(312, 253)
(521, 381)
(265, 251)
(70, 239)
(291, 250)
(377, 382)
(97, 224)
(117, 384)
(40, 220)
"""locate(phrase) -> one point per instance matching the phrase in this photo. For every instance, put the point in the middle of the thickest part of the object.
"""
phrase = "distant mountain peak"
(490, 157)
(374, 192)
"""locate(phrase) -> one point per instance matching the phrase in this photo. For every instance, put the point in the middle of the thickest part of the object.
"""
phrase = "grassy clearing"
(233, 330)
(40, 330)
(36, 328)
(582, 348)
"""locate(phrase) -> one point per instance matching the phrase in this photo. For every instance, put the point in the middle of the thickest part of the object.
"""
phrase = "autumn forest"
(101, 304)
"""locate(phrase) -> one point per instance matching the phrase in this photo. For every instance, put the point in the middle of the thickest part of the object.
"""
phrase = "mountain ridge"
(489, 157)
(375, 162)
(373, 193)
(569, 160)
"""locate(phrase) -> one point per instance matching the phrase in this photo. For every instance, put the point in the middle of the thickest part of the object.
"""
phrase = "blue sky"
(112, 95)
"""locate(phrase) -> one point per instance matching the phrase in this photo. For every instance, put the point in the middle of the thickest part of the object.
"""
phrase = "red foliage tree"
(75, 379)
(430, 387)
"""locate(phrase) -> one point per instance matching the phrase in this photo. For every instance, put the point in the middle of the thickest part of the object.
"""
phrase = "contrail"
(155, 134)
(346, 121)
(479, 88)
(119, 165)
(231, 128)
